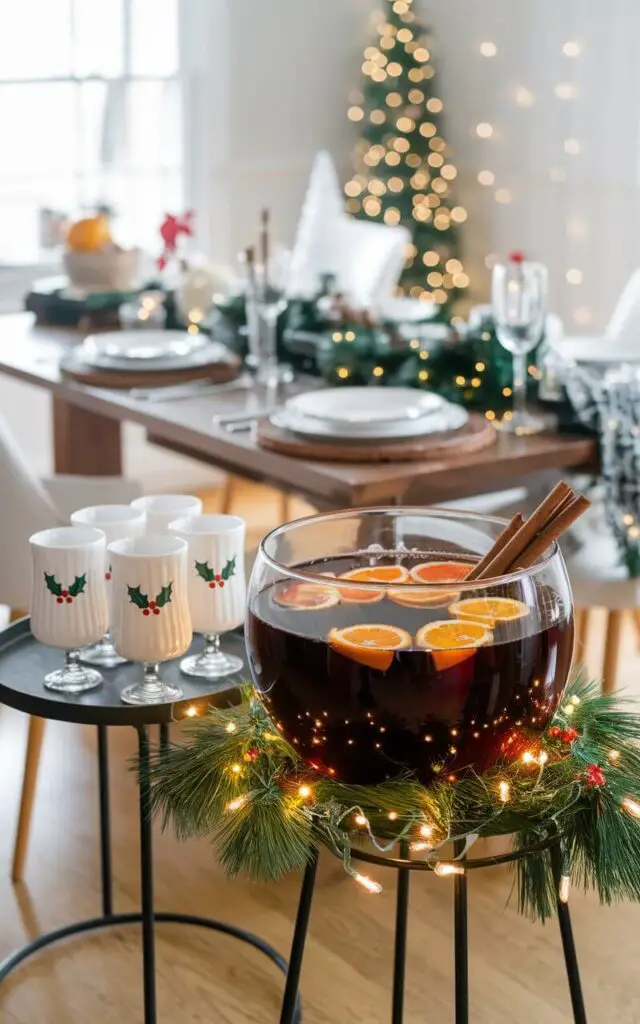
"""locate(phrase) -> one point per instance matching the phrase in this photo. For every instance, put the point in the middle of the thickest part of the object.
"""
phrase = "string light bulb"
(231, 727)
(445, 870)
(392, 815)
(504, 789)
(528, 757)
(632, 807)
(361, 820)
(191, 711)
(426, 831)
(614, 756)
(236, 803)
(236, 768)
(563, 888)
(304, 792)
(369, 884)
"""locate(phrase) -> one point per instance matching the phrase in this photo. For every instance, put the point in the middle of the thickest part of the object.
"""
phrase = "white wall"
(281, 71)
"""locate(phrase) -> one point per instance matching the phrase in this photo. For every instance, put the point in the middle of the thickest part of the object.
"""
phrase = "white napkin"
(622, 334)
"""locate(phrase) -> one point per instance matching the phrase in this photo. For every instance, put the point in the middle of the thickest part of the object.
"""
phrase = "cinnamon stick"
(556, 526)
(509, 531)
(506, 555)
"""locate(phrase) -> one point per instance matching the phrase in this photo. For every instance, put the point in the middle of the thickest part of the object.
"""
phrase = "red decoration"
(252, 754)
(594, 777)
(170, 230)
(569, 735)
(516, 257)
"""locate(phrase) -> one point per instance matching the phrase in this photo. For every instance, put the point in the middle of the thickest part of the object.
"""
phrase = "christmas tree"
(403, 171)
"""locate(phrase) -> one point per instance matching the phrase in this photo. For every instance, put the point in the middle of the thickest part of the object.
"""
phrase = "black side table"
(23, 664)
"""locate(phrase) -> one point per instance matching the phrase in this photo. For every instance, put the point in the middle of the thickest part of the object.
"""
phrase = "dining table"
(86, 431)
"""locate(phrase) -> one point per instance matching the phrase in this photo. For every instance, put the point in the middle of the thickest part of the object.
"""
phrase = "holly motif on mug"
(213, 578)
(146, 606)
(107, 574)
(61, 594)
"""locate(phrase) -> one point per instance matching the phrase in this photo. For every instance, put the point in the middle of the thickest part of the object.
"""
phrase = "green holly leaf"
(164, 596)
(203, 570)
(52, 585)
(229, 569)
(137, 597)
(78, 585)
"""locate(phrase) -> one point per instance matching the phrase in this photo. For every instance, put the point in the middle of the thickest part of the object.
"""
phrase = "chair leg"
(228, 495)
(32, 760)
(635, 615)
(583, 628)
(611, 651)
(285, 506)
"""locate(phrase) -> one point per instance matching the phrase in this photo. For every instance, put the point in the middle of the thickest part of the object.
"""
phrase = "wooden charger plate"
(476, 434)
(219, 372)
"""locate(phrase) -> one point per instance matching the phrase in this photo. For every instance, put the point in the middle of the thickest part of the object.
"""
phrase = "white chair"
(29, 505)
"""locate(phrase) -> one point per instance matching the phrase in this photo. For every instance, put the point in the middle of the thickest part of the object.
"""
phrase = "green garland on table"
(239, 782)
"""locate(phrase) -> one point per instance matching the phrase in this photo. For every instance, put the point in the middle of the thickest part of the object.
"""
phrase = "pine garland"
(238, 781)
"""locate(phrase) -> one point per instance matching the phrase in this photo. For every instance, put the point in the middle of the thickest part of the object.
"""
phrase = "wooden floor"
(517, 975)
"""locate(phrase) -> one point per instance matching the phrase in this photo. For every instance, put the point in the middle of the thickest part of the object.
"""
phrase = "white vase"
(151, 621)
(116, 522)
(162, 509)
(68, 599)
(216, 587)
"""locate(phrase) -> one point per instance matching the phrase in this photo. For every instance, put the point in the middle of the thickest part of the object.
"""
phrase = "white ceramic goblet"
(151, 621)
(116, 522)
(69, 599)
(216, 587)
(162, 509)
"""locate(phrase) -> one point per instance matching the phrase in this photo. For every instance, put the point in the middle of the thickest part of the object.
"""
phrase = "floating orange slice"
(490, 609)
(431, 572)
(451, 642)
(306, 597)
(370, 644)
(371, 574)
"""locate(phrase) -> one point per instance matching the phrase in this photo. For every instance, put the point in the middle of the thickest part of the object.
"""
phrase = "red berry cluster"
(252, 754)
(594, 777)
(65, 597)
(152, 608)
(569, 735)
(217, 581)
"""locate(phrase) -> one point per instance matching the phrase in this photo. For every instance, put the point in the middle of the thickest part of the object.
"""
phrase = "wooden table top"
(31, 353)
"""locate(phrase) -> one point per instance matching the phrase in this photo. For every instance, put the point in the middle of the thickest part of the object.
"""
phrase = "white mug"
(69, 598)
(216, 587)
(162, 509)
(151, 621)
(116, 522)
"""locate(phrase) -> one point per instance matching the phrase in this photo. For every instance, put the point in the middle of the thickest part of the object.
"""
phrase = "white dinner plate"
(595, 349)
(450, 417)
(144, 345)
(404, 310)
(360, 409)
(210, 352)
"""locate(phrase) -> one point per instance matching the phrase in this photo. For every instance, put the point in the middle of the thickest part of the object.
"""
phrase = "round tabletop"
(24, 662)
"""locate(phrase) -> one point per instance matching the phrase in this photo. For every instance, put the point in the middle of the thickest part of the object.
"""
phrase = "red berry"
(69, 600)
(212, 584)
(65, 593)
(107, 575)
(60, 600)
(221, 583)
(156, 611)
(218, 577)
(152, 605)
(145, 611)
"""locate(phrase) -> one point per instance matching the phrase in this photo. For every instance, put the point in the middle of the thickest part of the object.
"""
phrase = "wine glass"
(372, 655)
(151, 621)
(519, 303)
(69, 600)
(216, 588)
(116, 522)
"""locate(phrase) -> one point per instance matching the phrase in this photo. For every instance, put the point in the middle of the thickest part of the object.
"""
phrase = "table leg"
(400, 948)
(289, 1012)
(105, 822)
(85, 442)
(461, 943)
(569, 946)
(146, 882)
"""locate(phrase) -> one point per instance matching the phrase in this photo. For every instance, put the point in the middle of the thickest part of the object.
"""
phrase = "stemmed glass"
(151, 621)
(372, 655)
(216, 587)
(69, 600)
(266, 301)
(519, 302)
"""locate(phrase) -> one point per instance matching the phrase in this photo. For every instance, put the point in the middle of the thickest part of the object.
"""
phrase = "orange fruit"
(451, 642)
(306, 597)
(431, 572)
(89, 234)
(371, 574)
(371, 644)
(490, 609)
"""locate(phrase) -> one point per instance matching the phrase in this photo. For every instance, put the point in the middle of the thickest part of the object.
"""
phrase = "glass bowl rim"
(439, 513)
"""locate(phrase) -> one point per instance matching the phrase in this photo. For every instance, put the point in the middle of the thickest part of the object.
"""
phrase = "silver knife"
(189, 390)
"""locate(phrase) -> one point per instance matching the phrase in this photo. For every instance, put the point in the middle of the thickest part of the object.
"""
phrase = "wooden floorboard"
(517, 974)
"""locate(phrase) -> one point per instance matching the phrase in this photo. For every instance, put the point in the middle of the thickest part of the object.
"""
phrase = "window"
(89, 114)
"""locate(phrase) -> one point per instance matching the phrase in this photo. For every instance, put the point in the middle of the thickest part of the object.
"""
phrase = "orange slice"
(371, 574)
(371, 644)
(490, 609)
(431, 572)
(306, 597)
(451, 642)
